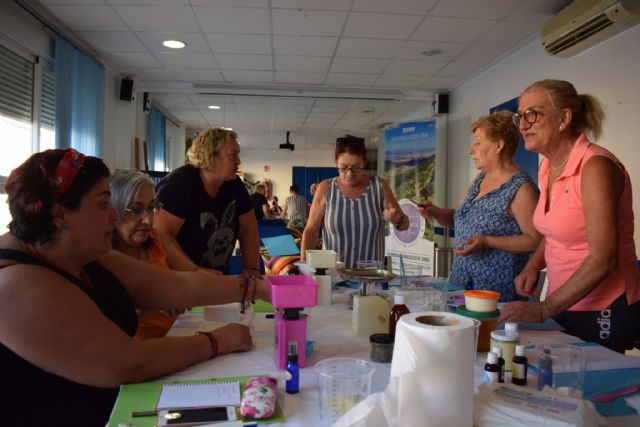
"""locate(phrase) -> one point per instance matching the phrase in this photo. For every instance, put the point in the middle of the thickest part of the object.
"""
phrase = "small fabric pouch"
(259, 398)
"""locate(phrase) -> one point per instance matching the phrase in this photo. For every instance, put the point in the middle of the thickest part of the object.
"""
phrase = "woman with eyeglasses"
(67, 300)
(132, 196)
(351, 209)
(493, 224)
(585, 215)
(206, 207)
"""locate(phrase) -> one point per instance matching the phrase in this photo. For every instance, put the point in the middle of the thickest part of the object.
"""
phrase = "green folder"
(140, 397)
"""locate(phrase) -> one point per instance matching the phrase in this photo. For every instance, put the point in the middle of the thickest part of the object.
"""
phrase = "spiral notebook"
(199, 394)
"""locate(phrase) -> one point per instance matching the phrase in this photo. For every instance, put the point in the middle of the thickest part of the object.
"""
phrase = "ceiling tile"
(381, 26)
(196, 43)
(302, 63)
(413, 50)
(180, 60)
(307, 22)
(233, 20)
(460, 30)
(113, 41)
(482, 53)
(88, 18)
(304, 45)
(368, 48)
(296, 78)
(351, 79)
(197, 75)
(414, 68)
(538, 11)
(158, 18)
(83, 2)
(440, 83)
(240, 43)
(234, 3)
(312, 4)
(238, 76)
(459, 69)
(228, 61)
(358, 65)
(489, 9)
(131, 60)
(509, 33)
(147, 74)
(147, 2)
(417, 7)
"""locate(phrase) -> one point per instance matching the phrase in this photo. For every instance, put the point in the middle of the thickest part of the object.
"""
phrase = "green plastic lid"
(462, 310)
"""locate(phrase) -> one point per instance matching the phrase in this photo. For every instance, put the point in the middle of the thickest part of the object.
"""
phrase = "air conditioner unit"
(585, 23)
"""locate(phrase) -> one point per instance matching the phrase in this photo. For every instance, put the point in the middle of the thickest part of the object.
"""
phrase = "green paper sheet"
(144, 396)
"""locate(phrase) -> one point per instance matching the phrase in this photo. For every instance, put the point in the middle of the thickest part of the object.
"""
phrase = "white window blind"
(16, 86)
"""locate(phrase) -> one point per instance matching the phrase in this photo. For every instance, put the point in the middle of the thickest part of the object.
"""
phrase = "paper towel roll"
(431, 381)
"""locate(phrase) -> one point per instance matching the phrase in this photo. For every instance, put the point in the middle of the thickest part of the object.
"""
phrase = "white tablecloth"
(330, 328)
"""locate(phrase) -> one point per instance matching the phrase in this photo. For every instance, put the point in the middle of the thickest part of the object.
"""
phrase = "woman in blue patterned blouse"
(494, 223)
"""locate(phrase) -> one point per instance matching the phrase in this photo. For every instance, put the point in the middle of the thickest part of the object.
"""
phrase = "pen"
(144, 414)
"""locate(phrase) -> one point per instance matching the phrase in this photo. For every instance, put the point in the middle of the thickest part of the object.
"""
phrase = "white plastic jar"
(507, 341)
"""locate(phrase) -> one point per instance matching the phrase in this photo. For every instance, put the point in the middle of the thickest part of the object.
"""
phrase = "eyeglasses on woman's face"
(353, 169)
(530, 116)
(141, 212)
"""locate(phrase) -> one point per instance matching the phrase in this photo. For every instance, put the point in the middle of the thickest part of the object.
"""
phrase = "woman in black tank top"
(67, 301)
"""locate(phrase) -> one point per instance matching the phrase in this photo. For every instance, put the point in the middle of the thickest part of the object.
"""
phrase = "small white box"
(321, 258)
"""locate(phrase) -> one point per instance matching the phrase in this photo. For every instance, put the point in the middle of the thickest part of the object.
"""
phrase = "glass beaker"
(343, 382)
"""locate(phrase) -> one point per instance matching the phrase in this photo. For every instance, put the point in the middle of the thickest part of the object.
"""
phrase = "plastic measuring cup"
(343, 383)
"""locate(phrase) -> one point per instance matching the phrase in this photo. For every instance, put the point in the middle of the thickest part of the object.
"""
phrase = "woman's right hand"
(233, 337)
(427, 210)
(526, 283)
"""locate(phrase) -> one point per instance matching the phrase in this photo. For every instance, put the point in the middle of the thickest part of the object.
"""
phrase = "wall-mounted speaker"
(127, 91)
(441, 103)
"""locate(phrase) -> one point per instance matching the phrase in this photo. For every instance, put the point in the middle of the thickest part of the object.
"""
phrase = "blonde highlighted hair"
(205, 147)
(587, 112)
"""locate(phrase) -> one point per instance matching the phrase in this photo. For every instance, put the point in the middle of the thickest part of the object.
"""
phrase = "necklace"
(560, 166)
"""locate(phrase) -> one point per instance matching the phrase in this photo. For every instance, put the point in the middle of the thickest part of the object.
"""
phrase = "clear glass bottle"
(398, 310)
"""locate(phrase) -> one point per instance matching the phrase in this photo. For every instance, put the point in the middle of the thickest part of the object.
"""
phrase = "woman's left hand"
(521, 311)
(471, 245)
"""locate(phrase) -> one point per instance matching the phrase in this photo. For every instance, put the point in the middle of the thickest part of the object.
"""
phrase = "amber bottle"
(398, 310)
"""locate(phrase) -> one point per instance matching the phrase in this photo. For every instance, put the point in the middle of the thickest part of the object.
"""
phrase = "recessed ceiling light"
(174, 44)
(214, 107)
(432, 52)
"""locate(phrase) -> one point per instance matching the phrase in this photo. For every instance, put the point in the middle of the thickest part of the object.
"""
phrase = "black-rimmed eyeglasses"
(141, 212)
(530, 116)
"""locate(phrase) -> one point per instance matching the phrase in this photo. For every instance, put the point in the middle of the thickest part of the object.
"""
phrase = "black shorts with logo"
(617, 327)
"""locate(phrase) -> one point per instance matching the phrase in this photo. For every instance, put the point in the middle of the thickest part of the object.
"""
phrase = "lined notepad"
(196, 395)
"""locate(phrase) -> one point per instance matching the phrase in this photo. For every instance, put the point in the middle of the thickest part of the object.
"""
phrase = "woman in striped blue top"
(351, 209)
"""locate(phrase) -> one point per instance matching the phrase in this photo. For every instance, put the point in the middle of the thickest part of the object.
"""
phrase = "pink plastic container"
(293, 291)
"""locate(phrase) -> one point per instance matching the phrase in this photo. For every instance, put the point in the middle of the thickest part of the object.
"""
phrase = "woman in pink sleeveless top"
(585, 215)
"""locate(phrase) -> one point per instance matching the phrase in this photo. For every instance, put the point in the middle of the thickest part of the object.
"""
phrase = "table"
(330, 328)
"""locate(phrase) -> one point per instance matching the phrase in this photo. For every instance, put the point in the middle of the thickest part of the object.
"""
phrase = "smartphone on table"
(196, 416)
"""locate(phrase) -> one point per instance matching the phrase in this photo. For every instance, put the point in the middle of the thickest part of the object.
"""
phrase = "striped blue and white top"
(354, 228)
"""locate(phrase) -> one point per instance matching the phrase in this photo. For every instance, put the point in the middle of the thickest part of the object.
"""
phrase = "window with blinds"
(48, 108)
(16, 86)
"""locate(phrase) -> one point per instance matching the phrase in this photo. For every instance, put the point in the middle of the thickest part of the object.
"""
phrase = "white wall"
(280, 163)
(610, 71)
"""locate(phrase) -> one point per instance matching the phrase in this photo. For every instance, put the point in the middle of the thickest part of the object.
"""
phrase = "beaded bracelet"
(545, 307)
(213, 341)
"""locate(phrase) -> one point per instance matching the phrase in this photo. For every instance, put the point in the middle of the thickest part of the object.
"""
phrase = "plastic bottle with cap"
(491, 369)
(398, 310)
(507, 341)
(545, 369)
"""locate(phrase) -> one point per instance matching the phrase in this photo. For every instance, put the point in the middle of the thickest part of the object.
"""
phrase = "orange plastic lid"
(478, 293)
